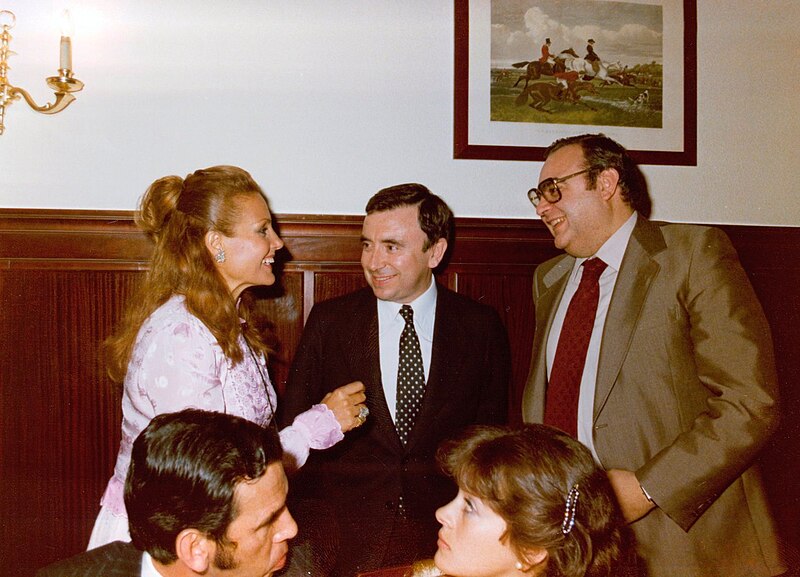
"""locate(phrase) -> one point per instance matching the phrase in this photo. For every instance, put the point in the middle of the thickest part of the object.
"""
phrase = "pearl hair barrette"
(569, 510)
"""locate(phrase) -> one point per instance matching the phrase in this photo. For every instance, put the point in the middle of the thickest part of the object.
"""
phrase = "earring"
(220, 256)
(518, 566)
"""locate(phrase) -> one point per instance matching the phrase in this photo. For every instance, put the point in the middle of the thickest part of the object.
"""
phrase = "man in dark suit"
(381, 482)
(206, 495)
(677, 393)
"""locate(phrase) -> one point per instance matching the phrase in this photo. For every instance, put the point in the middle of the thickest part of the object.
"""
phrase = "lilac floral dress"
(176, 363)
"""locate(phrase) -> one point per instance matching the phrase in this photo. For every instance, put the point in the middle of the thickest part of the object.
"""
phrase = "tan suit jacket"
(686, 396)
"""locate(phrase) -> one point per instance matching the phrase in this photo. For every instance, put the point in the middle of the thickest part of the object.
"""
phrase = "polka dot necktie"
(410, 377)
(563, 389)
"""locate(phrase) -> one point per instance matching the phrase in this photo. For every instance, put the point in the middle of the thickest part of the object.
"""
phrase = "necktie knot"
(592, 269)
(407, 313)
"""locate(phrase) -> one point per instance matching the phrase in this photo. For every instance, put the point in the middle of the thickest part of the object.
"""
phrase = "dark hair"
(176, 213)
(525, 475)
(601, 153)
(435, 217)
(184, 470)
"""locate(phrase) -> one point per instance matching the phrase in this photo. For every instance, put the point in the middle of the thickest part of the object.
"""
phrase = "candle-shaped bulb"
(65, 61)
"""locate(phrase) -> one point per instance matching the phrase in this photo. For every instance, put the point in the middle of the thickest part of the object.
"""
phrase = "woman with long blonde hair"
(184, 340)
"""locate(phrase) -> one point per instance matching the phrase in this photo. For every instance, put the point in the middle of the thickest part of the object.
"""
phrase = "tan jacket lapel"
(547, 292)
(635, 276)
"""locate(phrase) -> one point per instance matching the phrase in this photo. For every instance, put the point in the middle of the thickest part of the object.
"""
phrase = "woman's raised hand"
(347, 404)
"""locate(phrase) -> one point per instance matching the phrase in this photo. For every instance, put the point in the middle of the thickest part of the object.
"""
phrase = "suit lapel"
(554, 283)
(445, 356)
(364, 348)
(635, 277)
(441, 357)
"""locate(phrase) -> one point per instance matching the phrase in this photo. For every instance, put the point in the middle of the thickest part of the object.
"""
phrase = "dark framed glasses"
(548, 188)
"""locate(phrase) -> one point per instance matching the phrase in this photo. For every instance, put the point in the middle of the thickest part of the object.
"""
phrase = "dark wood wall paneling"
(64, 279)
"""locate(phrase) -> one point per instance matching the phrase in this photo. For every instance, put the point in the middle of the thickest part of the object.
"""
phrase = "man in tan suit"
(678, 391)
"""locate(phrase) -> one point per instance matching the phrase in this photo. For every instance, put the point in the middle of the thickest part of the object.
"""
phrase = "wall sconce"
(63, 84)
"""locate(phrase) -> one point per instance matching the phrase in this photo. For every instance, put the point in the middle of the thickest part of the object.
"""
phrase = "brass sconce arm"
(62, 85)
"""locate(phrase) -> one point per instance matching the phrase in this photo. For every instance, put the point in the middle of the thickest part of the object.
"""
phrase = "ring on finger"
(363, 413)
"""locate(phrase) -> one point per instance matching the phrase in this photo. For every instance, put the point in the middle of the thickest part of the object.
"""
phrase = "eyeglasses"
(548, 188)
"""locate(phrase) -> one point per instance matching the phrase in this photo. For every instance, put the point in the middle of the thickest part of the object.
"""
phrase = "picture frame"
(666, 133)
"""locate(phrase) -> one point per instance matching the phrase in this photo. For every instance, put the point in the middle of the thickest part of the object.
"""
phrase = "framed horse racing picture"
(528, 72)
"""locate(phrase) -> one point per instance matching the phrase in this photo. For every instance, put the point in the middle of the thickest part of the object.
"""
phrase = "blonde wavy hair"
(176, 213)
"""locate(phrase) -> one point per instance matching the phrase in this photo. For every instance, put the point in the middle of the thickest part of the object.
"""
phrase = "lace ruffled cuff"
(113, 498)
(319, 427)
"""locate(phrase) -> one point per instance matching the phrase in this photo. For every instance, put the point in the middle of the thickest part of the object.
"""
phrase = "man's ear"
(607, 182)
(436, 252)
(194, 549)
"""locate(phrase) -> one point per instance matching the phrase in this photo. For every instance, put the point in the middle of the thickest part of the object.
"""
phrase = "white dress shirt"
(148, 569)
(390, 327)
(611, 253)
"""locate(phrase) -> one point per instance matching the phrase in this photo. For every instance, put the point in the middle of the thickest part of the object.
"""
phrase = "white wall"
(326, 101)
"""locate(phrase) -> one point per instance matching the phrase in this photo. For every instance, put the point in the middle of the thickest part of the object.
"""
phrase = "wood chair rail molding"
(52, 238)
(44, 238)
(65, 276)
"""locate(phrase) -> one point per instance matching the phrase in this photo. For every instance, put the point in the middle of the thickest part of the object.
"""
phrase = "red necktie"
(561, 406)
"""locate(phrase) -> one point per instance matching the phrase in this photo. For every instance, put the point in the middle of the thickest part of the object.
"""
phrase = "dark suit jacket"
(686, 396)
(364, 476)
(116, 559)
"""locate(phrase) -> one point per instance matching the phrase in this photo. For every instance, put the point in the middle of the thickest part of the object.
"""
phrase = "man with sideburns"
(205, 495)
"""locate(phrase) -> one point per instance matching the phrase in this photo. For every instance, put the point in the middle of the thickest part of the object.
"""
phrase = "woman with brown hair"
(184, 340)
(531, 501)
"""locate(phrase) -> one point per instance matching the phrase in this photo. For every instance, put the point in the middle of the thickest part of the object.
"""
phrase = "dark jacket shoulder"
(461, 301)
(352, 300)
(117, 559)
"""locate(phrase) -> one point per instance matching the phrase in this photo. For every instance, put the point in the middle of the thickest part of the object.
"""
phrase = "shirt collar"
(148, 567)
(424, 309)
(614, 248)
